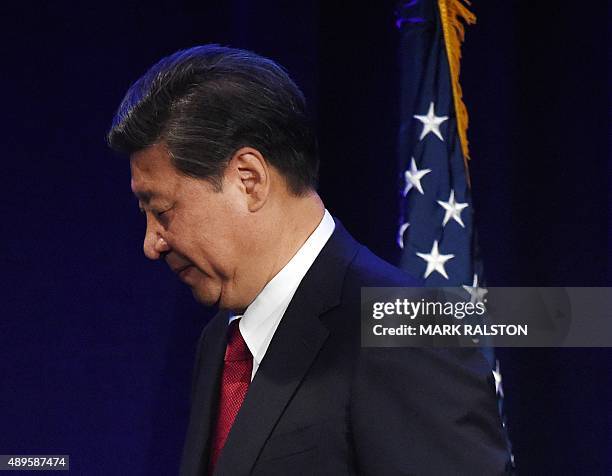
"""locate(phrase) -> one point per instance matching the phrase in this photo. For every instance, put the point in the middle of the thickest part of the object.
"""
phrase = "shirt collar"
(263, 315)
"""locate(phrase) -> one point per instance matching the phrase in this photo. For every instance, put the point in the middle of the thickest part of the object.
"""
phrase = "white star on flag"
(435, 261)
(431, 122)
(477, 294)
(400, 234)
(453, 209)
(499, 390)
(413, 177)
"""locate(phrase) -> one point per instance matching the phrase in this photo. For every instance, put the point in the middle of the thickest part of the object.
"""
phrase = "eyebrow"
(144, 196)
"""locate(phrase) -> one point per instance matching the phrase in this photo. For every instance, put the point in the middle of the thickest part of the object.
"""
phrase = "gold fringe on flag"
(452, 12)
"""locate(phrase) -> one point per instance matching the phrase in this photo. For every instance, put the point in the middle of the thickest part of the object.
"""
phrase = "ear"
(253, 175)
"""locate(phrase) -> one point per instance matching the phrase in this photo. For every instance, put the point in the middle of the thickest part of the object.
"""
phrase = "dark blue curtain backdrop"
(96, 343)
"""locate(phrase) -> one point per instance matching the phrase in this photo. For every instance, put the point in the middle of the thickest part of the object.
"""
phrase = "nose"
(154, 244)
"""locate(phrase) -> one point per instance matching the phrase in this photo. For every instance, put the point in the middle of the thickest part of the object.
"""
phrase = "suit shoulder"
(367, 269)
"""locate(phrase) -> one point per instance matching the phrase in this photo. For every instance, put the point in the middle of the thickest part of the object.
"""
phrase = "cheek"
(211, 252)
(214, 237)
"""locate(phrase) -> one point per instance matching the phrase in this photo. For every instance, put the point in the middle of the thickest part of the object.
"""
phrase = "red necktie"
(237, 368)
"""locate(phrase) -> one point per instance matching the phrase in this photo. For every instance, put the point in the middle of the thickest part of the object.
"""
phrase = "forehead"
(152, 171)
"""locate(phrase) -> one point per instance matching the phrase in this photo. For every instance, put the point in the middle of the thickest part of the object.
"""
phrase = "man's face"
(194, 228)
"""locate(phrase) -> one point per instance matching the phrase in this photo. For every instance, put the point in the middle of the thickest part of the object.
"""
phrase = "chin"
(213, 296)
(205, 298)
(205, 301)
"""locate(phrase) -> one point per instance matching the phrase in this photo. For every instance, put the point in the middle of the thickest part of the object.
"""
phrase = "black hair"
(208, 101)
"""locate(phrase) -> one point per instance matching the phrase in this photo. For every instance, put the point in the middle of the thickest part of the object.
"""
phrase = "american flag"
(436, 223)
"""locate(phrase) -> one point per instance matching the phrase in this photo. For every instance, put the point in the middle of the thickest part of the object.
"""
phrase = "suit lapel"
(296, 342)
(204, 396)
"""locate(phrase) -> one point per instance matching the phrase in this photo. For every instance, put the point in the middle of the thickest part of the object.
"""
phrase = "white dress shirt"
(264, 314)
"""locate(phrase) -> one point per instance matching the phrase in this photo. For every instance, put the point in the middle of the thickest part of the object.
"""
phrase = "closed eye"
(154, 212)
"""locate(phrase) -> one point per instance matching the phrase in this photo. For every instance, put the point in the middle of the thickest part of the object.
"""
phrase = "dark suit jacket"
(320, 404)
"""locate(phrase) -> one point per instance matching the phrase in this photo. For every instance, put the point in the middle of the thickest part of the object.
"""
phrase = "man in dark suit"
(224, 165)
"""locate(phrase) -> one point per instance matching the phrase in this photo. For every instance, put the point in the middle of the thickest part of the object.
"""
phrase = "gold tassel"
(451, 14)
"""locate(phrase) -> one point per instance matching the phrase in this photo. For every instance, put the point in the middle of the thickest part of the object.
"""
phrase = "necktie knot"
(237, 348)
